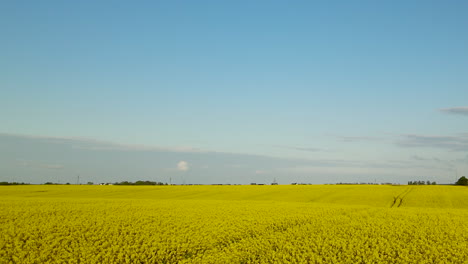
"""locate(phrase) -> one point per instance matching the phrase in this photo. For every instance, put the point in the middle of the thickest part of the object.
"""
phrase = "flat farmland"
(233, 224)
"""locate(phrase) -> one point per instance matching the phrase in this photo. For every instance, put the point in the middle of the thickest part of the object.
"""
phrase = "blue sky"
(332, 89)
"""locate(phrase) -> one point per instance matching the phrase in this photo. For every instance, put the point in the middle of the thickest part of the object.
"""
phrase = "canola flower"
(233, 224)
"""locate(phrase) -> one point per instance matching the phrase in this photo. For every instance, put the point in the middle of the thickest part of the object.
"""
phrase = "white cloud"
(182, 166)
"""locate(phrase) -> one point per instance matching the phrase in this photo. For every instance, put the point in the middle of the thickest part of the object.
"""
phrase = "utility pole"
(78, 180)
(274, 182)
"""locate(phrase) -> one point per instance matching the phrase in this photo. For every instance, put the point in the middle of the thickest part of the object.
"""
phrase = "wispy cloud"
(421, 158)
(416, 157)
(32, 164)
(95, 144)
(236, 165)
(370, 170)
(356, 138)
(128, 147)
(52, 166)
(453, 143)
(463, 110)
(223, 167)
(299, 148)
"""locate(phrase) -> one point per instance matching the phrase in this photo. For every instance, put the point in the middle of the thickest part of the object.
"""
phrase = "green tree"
(462, 181)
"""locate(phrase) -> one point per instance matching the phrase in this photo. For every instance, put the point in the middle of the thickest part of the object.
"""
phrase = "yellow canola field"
(233, 224)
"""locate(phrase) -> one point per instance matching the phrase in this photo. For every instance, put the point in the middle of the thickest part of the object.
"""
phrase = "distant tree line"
(421, 183)
(140, 183)
(13, 183)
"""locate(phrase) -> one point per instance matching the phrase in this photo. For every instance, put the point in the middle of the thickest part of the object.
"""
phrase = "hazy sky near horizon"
(313, 91)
